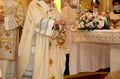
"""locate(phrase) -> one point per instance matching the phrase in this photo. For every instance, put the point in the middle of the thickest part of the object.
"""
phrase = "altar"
(105, 45)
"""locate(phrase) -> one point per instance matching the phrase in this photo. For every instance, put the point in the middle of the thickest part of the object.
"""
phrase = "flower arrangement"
(91, 21)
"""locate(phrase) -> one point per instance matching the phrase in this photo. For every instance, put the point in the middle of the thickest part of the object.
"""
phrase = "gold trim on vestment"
(7, 38)
(16, 39)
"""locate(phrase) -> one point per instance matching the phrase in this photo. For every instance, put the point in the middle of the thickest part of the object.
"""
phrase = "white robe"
(49, 61)
(9, 36)
(70, 15)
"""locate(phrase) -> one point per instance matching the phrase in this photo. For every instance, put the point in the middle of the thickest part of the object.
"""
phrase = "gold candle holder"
(61, 38)
(60, 42)
(114, 22)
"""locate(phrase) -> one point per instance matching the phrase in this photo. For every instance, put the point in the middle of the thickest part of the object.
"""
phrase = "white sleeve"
(45, 27)
(15, 17)
(10, 22)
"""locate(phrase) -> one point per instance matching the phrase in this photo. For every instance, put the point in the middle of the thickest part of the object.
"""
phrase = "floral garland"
(91, 21)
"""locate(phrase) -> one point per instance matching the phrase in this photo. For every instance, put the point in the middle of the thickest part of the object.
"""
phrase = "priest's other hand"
(60, 22)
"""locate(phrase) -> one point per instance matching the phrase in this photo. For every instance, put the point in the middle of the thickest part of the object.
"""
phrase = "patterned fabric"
(9, 35)
(8, 40)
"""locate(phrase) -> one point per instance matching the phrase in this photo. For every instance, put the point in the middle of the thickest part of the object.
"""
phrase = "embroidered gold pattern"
(38, 5)
(61, 38)
(50, 61)
(52, 77)
(7, 47)
(1, 44)
(19, 15)
(50, 44)
(7, 34)
(9, 38)
(1, 34)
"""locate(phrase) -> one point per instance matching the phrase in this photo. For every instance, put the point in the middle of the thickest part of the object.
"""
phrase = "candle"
(94, 1)
(78, 1)
(108, 5)
(78, 5)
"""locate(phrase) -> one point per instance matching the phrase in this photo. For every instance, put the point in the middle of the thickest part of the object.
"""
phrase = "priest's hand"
(1, 18)
(60, 22)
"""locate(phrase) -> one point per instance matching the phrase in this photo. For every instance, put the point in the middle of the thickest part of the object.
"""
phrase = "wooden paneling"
(89, 75)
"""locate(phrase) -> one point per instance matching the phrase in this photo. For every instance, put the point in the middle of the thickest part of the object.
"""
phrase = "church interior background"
(104, 4)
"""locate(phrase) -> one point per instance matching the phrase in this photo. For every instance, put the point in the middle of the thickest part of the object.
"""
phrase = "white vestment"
(49, 60)
(9, 36)
(70, 15)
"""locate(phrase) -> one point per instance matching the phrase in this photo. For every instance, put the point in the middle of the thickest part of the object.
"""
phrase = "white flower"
(81, 25)
(103, 18)
(101, 24)
(91, 21)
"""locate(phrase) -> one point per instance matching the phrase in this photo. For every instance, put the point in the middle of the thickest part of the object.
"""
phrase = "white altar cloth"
(97, 36)
(91, 50)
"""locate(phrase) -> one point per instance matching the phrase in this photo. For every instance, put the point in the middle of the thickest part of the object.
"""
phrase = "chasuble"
(38, 46)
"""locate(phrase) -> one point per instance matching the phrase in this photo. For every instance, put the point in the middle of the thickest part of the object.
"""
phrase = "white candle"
(78, 5)
(108, 5)
(78, 1)
(94, 1)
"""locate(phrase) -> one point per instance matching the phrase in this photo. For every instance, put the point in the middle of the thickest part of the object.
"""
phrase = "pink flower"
(89, 16)
(103, 14)
(111, 27)
(96, 12)
(86, 14)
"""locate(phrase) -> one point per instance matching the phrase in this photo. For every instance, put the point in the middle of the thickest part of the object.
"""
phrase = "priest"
(41, 53)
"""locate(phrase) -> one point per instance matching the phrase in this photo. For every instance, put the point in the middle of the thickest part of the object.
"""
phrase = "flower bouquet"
(91, 21)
